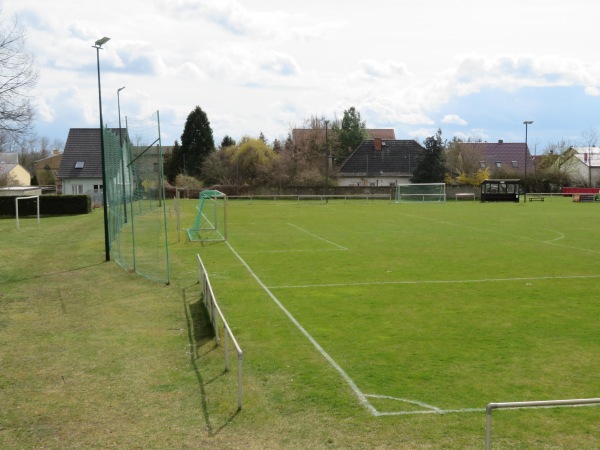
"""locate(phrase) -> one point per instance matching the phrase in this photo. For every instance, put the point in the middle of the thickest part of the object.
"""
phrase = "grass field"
(363, 325)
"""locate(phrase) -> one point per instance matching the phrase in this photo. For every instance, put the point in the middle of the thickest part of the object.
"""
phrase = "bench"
(536, 199)
(586, 198)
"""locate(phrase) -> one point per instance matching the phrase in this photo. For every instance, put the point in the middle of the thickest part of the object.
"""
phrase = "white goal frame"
(27, 198)
(418, 192)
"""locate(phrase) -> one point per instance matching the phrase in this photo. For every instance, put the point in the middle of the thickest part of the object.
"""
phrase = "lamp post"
(98, 45)
(122, 156)
(526, 123)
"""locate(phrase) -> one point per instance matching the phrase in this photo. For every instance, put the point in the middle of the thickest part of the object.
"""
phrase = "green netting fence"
(135, 194)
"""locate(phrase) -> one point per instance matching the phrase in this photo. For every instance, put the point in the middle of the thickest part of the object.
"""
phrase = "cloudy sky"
(474, 68)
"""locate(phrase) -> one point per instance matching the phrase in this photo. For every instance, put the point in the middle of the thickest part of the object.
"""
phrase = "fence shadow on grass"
(200, 334)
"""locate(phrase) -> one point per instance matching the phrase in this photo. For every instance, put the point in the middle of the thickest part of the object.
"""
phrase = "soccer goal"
(421, 192)
(211, 219)
(37, 202)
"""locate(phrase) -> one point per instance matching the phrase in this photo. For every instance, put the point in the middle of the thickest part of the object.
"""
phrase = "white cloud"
(370, 68)
(593, 91)
(454, 119)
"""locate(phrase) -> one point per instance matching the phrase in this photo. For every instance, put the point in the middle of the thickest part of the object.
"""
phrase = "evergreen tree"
(196, 142)
(351, 132)
(431, 163)
(174, 163)
(227, 141)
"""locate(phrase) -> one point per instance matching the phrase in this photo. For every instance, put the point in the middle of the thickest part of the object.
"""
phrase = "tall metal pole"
(326, 162)
(526, 122)
(98, 45)
(122, 156)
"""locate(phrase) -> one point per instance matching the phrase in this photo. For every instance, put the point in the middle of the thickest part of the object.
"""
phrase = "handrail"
(215, 313)
(532, 404)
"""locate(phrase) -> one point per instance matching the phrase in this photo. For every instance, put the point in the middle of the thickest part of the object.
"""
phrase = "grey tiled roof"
(6, 168)
(504, 153)
(396, 157)
(83, 144)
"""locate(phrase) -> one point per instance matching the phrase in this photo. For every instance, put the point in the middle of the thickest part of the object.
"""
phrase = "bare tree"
(18, 75)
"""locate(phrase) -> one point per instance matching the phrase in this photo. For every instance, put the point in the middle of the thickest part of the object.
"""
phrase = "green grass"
(452, 305)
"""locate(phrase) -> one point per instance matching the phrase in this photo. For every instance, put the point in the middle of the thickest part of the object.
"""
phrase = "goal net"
(421, 192)
(211, 219)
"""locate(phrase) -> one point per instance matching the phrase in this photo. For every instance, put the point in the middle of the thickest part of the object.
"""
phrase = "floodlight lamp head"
(100, 42)
(527, 122)
(120, 89)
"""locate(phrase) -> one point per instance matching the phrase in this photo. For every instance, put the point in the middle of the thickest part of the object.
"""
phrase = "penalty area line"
(483, 280)
(361, 397)
(318, 237)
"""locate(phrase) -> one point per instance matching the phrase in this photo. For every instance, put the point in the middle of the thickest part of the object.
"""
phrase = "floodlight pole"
(98, 45)
(122, 155)
(326, 162)
(526, 123)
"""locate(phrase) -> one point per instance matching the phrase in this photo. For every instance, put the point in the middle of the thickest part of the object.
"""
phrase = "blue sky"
(474, 68)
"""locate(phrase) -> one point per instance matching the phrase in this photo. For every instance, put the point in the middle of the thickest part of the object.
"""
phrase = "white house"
(587, 168)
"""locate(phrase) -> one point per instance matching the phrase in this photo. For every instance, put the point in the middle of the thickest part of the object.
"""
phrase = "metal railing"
(534, 404)
(218, 319)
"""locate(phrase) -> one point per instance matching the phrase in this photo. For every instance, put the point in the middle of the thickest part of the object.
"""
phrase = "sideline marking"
(361, 397)
(484, 280)
(318, 237)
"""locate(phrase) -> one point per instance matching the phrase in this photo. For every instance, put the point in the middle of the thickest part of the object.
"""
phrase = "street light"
(98, 45)
(122, 156)
(526, 123)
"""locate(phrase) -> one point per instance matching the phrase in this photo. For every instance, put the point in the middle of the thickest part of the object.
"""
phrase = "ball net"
(135, 194)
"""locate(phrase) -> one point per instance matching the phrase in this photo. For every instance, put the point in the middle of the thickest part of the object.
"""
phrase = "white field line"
(361, 397)
(318, 237)
(483, 280)
(551, 242)
(293, 251)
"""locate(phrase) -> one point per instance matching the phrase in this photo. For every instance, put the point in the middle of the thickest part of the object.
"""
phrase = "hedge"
(50, 205)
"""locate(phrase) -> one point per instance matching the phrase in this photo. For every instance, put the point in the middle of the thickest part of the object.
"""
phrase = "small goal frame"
(211, 219)
(37, 197)
(421, 192)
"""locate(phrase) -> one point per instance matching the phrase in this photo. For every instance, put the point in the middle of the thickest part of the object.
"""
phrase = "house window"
(77, 189)
(79, 164)
(482, 164)
(498, 164)
(515, 164)
(155, 168)
(97, 188)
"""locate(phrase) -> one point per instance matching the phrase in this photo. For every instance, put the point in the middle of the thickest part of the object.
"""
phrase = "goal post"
(421, 192)
(37, 201)
(211, 219)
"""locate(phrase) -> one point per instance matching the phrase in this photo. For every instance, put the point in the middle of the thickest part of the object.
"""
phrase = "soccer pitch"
(423, 308)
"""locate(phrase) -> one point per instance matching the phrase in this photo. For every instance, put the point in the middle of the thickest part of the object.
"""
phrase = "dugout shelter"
(500, 191)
